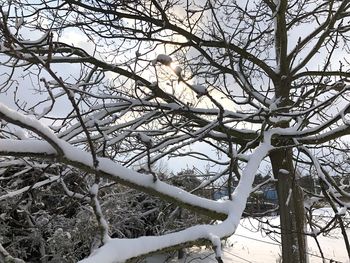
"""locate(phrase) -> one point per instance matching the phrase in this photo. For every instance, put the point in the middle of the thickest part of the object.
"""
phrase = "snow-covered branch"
(114, 250)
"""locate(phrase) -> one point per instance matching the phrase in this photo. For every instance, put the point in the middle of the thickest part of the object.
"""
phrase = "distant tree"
(114, 87)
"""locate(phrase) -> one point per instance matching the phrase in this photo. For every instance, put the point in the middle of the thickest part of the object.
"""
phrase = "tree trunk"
(291, 204)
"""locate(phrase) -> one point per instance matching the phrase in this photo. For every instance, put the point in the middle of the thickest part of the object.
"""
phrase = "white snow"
(99, 215)
(38, 41)
(26, 188)
(94, 189)
(118, 250)
(277, 4)
(73, 194)
(178, 70)
(19, 22)
(45, 111)
(289, 196)
(251, 244)
(163, 59)
(276, 119)
(21, 133)
(78, 156)
(31, 124)
(273, 105)
(283, 171)
(342, 211)
(143, 137)
(199, 89)
(248, 87)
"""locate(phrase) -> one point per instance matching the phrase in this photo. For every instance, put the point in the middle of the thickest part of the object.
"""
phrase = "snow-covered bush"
(49, 224)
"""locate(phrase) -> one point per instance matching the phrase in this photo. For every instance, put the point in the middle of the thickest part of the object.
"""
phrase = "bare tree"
(121, 85)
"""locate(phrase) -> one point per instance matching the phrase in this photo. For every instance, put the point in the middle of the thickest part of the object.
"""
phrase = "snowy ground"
(250, 244)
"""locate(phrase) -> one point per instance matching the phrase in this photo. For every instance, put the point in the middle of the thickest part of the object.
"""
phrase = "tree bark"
(291, 204)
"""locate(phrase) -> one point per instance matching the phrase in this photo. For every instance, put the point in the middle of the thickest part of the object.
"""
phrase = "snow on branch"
(32, 124)
(4, 255)
(199, 89)
(82, 159)
(71, 193)
(102, 222)
(113, 171)
(163, 59)
(117, 250)
(27, 188)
